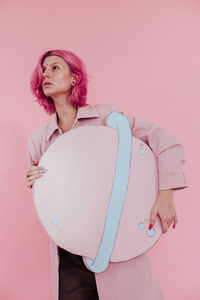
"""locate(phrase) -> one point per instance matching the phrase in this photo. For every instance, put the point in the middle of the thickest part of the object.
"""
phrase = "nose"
(46, 73)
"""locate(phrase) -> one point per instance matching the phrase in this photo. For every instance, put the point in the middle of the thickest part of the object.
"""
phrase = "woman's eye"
(43, 70)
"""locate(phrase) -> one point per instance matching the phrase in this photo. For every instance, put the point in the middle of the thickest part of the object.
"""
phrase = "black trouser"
(76, 282)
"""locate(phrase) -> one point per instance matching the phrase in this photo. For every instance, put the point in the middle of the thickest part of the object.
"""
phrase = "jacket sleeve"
(170, 153)
(33, 154)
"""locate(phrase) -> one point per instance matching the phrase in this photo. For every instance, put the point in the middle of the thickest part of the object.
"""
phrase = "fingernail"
(150, 226)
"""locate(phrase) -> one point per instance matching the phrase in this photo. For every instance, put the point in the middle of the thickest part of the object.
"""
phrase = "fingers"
(34, 173)
(166, 219)
(167, 223)
(152, 219)
(164, 223)
(164, 226)
(31, 179)
(175, 221)
(171, 221)
(34, 177)
(35, 170)
(30, 184)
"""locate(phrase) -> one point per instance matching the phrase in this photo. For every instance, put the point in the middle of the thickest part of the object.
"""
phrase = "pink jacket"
(123, 277)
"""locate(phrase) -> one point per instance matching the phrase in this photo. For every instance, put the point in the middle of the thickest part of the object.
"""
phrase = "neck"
(66, 112)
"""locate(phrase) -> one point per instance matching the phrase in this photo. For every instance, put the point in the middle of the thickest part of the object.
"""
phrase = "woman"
(60, 84)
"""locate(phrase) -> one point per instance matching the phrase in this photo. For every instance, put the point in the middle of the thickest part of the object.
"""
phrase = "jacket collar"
(82, 112)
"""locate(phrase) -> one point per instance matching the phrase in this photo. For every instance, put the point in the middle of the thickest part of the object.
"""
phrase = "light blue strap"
(118, 194)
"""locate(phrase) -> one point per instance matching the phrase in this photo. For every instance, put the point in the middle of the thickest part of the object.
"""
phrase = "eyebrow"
(53, 63)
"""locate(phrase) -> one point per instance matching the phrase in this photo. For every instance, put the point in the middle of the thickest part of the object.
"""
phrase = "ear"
(73, 81)
(74, 77)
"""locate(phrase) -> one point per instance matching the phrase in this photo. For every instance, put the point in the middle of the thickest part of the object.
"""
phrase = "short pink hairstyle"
(79, 90)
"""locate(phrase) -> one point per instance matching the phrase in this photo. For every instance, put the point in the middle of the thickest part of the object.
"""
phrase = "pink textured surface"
(76, 190)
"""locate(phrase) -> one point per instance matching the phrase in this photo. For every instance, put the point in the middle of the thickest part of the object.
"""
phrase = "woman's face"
(57, 72)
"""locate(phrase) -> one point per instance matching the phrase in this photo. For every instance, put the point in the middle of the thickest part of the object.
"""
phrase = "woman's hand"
(34, 173)
(164, 207)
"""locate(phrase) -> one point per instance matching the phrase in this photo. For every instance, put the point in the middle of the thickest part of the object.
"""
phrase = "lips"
(46, 83)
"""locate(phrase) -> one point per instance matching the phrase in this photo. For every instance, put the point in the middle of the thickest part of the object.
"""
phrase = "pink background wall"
(143, 56)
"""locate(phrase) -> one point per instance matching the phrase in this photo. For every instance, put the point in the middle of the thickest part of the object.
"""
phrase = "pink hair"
(79, 90)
